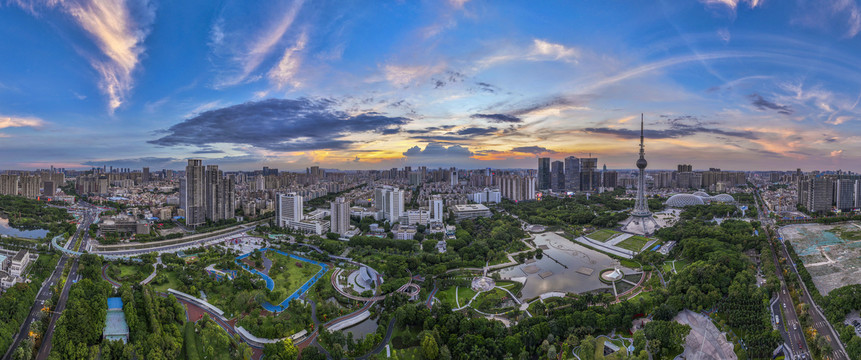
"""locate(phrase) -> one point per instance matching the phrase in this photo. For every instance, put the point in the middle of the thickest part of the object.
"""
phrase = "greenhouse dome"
(682, 200)
(701, 194)
(724, 198)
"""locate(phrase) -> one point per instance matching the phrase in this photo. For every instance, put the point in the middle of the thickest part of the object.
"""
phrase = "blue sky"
(736, 84)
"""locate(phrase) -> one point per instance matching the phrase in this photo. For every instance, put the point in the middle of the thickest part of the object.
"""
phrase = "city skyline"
(733, 84)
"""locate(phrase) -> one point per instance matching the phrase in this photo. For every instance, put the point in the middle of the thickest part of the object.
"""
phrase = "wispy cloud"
(284, 72)
(118, 28)
(534, 150)
(248, 55)
(538, 50)
(731, 5)
(405, 75)
(497, 118)
(762, 104)
(14, 121)
(842, 16)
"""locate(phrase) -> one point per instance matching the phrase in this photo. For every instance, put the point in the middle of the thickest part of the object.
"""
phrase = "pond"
(5, 229)
(558, 269)
(362, 329)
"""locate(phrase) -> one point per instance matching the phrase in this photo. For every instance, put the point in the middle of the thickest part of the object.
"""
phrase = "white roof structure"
(724, 198)
(682, 200)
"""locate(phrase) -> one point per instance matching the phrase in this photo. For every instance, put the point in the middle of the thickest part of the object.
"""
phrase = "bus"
(776, 319)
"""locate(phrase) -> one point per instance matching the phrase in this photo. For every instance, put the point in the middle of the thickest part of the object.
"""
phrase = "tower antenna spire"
(641, 130)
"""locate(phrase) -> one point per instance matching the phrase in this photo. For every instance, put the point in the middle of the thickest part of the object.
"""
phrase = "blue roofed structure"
(116, 327)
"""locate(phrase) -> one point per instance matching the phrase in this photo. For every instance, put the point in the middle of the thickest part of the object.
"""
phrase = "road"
(790, 327)
(176, 247)
(45, 292)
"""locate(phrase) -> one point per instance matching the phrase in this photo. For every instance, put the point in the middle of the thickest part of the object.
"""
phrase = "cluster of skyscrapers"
(206, 194)
(825, 192)
(31, 185)
(573, 175)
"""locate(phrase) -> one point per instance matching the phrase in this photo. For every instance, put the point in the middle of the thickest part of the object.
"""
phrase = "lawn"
(129, 273)
(447, 296)
(464, 294)
(289, 274)
(633, 243)
(172, 282)
(602, 235)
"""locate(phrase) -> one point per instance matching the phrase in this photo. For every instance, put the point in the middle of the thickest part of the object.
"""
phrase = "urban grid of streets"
(789, 326)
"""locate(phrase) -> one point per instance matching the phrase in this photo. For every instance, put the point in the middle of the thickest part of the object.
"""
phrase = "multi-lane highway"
(45, 291)
(790, 327)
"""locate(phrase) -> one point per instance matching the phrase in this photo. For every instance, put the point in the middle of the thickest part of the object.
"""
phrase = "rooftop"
(470, 207)
(20, 255)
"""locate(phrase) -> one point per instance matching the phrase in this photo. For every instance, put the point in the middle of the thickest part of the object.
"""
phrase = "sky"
(734, 84)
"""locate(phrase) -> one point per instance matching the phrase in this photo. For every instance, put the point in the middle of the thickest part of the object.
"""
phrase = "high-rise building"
(145, 175)
(454, 178)
(436, 209)
(396, 205)
(30, 185)
(518, 188)
(390, 201)
(543, 173)
(557, 176)
(195, 193)
(572, 173)
(288, 208)
(685, 168)
(49, 188)
(845, 192)
(589, 176)
(611, 179)
(340, 217)
(816, 193)
(8, 184)
(212, 184)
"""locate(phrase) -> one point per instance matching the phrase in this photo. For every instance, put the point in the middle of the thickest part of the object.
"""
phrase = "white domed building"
(697, 198)
(723, 198)
(683, 200)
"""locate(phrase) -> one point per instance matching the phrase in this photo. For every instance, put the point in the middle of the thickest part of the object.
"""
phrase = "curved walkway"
(108, 278)
(270, 284)
(154, 272)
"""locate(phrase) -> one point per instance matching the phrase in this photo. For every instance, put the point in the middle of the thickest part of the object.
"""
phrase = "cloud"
(837, 120)
(837, 153)
(434, 149)
(497, 118)
(208, 151)
(841, 16)
(118, 29)
(760, 103)
(285, 71)
(278, 125)
(545, 50)
(474, 131)
(405, 75)
(731, 5)
(538, 50)
(457, 4)
(137, 163)
(676, 131)
(535, 150)
(13, 121)
(249, 54)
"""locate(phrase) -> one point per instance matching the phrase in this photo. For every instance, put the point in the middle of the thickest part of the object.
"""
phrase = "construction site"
(831, 253)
